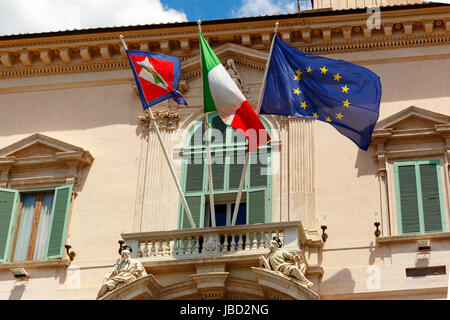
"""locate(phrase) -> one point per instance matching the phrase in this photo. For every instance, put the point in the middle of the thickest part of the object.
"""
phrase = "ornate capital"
(381, 161)
(166, 119)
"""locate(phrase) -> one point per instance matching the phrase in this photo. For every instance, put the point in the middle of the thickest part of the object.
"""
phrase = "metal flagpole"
(210, 177)
(185, 204)
(208, 151)
(258, 109)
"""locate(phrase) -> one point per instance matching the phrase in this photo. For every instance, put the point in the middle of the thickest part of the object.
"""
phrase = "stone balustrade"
(214, 242)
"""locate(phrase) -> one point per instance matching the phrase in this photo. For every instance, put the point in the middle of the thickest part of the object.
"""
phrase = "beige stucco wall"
(98, 111)
(348, 193)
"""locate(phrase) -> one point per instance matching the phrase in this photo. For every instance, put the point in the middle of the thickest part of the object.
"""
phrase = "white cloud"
(265, 7)
(441, 1)
(33, 16)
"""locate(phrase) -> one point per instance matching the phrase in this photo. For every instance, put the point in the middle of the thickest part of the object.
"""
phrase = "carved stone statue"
(235, 75)
(287, 263)
(126, 270)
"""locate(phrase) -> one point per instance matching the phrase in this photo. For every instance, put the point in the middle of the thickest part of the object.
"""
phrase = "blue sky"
(35, 16)
(208, 10)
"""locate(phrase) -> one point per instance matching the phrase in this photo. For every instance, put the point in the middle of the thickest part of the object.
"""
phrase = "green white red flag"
(221, 94)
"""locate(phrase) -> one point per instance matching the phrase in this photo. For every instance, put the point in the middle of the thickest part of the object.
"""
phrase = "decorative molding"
(166, 119)
(60, 163)
(413, 133)
(102, 51)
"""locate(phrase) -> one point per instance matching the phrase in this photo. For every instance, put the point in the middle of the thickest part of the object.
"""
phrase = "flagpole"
(258, 109)
(183, 198)
(208, 152)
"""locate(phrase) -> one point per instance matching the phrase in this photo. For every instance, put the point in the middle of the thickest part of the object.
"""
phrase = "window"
(228, 151)
(413, 165)
(33, 223)
(419, 196)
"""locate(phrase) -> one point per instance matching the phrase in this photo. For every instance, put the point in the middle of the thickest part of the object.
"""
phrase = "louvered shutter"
(236, 167)
(258, 169)
(60, 218)
(9, 203)
(194, 173)
(197, 137)
(431, 198)
(218, 170)
(408, 200)
(256, 203)
(195, 205)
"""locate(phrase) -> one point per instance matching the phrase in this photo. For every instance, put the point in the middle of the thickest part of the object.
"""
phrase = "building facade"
(81, 164)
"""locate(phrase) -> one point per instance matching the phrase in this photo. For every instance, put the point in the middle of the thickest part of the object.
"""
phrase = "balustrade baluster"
(197, 245)
(247, 241)
(145, 253)
(261, 240)
(255, 241)
(239, 246)
(174, 247)
(189, 246)
(153, 250)
(160, 248)
(140, 252)
(181, 247)
(233, 242)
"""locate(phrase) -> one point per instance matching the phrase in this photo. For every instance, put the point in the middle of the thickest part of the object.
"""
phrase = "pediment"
(241, 55)
(39, 146)
(412, 122)
(413, 118)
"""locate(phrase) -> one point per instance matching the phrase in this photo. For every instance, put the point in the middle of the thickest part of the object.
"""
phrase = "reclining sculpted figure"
(285, 262)
(126, 270)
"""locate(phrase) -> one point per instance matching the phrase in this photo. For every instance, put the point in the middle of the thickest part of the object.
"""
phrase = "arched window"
(228, 150)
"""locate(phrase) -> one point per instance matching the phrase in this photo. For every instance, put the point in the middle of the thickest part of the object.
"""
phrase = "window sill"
(35, 264)
(413, 237)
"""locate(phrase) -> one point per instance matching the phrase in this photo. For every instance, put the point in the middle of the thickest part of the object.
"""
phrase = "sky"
(35, 16)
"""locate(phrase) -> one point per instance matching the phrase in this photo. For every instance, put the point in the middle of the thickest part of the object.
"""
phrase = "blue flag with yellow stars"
(341, 93)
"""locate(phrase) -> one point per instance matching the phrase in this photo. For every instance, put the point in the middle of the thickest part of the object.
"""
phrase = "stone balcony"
(220, 263)
(242, 244)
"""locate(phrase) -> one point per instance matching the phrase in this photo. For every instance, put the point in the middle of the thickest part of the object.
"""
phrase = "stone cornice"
(101, 51)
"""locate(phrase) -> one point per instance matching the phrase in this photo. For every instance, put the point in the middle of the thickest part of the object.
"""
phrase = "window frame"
(416, 164)
(14, 227)
(228, 147)
(35, 222)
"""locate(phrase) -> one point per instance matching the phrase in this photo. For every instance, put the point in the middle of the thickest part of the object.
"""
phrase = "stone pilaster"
(301, 171)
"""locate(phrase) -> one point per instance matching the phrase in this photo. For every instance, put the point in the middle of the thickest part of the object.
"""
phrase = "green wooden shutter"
(236, 167)
(258, 169)
(408, 199)
(256, 206)
(431, 197)
(9, 204)
(194, 173)
(218, 170)
(196, 206)
(60, 218)
(197, 136)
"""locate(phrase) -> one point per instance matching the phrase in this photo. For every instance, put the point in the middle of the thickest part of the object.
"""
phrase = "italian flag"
(221, 94)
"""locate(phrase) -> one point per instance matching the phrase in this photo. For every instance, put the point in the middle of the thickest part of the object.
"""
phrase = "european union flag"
(341, 93)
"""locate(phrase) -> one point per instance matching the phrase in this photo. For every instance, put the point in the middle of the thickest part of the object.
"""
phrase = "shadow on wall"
(340, 283)
(19, 289)
(365, 163)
